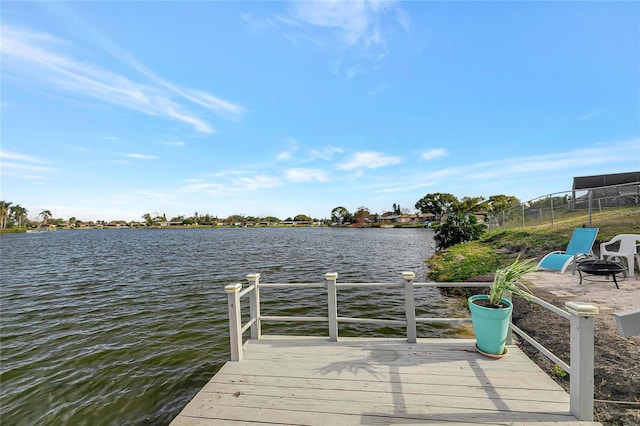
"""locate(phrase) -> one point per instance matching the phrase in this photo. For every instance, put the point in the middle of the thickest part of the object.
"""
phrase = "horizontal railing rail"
(580, 316)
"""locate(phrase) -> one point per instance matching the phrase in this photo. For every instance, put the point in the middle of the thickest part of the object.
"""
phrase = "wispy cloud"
(299, 154)
(352, 23)
(285, 155)
(572, 163)
(233, 184)
(23, 165)
(568, 161)
(174, 143)
(6, 155)
(434, 153)
(591, 115)
(361, 27)
(49, 60)
(141, 156)
(326, 153)
(288, 154)
(306, 175)
(369, 160)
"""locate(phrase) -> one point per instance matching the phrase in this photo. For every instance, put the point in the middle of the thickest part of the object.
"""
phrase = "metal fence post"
(581, 359)
(235, 325)
(254, 306)
(332, 302)
(590, 200)
(409, 306)
(522, 215)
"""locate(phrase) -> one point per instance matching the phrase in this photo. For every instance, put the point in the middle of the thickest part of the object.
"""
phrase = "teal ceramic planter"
(490, 325)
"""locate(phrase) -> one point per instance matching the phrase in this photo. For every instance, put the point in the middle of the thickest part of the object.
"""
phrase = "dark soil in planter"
(617, 359)
(486, 304)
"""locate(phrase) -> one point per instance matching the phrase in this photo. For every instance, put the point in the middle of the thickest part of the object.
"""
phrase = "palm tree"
(4, 213)
(45, 215)
(19, 214)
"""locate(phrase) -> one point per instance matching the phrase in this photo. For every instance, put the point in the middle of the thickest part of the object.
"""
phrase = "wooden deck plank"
(308, 381)
(472, 399)
(248, 383)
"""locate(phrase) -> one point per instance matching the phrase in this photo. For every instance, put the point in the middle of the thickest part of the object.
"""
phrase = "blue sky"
(111, 110)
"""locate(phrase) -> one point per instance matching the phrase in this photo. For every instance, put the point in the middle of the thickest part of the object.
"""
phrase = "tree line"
(438, 204)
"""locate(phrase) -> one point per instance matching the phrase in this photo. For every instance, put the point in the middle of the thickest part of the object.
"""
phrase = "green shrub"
(458, 228)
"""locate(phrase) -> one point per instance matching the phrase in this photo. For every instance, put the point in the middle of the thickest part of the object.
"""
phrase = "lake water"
(125, 326)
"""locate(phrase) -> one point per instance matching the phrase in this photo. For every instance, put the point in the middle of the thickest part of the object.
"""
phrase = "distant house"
(407, 218)
(482, 217)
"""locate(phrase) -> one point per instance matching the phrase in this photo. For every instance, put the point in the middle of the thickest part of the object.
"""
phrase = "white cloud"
(361, 27)
(232, 183)
(141, 156)
(220, 106)
(45, 59)
(308, 155)
(23, 165)
(434, 153)
(258, 182)
(306, 175)
(578, 162)
(7, 155)
(289, 153)
(284, 155)
(572, 160)
(369, 160)
(352, 22)
(326, 153)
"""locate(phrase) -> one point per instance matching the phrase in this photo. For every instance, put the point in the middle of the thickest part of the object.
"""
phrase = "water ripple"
(123, 327)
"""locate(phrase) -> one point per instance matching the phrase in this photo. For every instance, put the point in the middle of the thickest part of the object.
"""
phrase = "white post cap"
(408, 275)
(253, 277)
(232, 288)
(331, 276)
(582, 309)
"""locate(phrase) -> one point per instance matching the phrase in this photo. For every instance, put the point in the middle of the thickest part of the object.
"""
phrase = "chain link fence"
(574, 204)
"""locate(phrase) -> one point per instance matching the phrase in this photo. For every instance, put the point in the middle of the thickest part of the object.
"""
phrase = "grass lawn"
(479, 258)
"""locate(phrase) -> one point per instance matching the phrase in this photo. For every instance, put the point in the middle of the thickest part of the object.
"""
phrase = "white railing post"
(582, 358)
(235, 324)
(409, 306)
(509, 339)
(332, 302)
(254, 306)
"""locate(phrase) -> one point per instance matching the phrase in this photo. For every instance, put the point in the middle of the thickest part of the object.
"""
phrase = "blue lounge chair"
(579, 248)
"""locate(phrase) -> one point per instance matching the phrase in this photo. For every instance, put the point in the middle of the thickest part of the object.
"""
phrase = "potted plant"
(490, 314)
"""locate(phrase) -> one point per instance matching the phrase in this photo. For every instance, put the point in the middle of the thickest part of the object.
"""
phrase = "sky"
(111, 110)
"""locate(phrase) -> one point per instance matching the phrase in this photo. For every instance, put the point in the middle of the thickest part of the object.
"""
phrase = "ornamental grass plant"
(510, 279)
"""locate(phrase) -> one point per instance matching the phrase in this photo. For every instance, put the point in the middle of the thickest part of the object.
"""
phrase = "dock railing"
(580, 316)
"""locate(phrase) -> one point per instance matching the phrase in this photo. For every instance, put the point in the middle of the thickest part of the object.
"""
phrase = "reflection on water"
(124, 326)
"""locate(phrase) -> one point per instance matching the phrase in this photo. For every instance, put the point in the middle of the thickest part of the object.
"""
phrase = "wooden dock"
(312, 381)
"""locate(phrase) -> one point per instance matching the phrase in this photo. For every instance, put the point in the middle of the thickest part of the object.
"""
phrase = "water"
(125, 326)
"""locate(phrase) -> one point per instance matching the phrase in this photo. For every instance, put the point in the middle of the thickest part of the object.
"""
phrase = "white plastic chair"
(627, 250)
